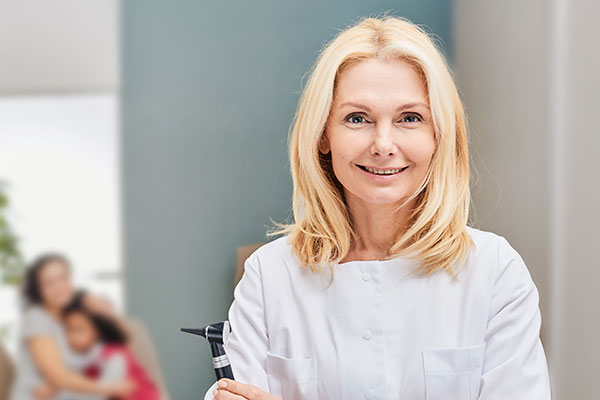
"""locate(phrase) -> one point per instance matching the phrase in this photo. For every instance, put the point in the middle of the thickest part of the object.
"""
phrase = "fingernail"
(222, 384)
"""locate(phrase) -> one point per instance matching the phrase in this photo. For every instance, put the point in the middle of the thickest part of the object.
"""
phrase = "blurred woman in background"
(44, 354)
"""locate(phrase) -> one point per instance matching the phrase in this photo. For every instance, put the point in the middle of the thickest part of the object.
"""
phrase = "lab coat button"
(369, 394)
(366, 276)
(367, 335)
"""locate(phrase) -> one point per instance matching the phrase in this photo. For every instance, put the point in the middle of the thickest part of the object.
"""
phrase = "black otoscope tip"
(199, 332)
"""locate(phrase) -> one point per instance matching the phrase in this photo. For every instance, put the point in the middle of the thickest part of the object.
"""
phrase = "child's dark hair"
(108, 330)
(31, 281)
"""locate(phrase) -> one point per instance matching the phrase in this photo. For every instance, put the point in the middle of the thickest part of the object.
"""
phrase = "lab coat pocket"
(292, 378)
(453, 373)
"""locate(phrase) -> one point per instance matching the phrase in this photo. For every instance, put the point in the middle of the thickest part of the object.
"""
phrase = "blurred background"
(147, 141)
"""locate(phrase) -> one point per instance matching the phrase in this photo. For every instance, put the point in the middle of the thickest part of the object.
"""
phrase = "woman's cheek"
(63, 294)
(421, 150)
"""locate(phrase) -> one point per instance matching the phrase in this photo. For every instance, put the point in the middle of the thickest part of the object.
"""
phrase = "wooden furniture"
(7, 373)
(144, 350)
(243, 253)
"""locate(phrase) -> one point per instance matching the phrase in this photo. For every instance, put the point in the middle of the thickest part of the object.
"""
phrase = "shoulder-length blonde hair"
(322, 232)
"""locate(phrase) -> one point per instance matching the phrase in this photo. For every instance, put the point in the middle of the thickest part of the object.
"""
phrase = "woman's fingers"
(221, 394)
(230, 389)
(242, 390)
(123, 388)
(98, 304)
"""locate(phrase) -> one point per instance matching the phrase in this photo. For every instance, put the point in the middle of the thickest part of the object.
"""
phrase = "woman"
(45, 359)
(379, 289)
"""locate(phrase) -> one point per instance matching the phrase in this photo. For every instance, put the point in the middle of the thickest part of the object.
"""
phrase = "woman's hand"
(234, 390)
(122, 389)
(99, 305)
(44, 391)
(102, 306)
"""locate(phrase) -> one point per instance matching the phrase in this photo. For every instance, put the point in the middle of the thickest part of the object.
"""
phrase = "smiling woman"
(379, 161)
(381, 97)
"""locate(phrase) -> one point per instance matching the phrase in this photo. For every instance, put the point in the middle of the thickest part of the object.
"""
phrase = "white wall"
(527, 77)
(501, 63)
(60, 158)
(577, 236)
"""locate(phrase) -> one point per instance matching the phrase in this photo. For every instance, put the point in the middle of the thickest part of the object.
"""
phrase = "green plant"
(11, 258)
(5, 333)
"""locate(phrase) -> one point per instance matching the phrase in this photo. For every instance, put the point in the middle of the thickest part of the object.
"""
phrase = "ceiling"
(58, 46)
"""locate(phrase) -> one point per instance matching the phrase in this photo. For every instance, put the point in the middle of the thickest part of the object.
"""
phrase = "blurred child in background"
(86, 330)
(91, 332)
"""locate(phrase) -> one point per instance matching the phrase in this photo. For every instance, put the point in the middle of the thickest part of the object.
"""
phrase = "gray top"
(38, 322)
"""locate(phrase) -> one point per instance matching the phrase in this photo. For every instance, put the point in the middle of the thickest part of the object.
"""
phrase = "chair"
(7, 373)
(243, 253)
(143, 348)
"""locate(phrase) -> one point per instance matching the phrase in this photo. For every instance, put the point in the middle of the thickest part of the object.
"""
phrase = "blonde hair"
(322, 232)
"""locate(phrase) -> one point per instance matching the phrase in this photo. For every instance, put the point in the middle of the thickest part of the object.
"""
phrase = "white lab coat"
(377, 333)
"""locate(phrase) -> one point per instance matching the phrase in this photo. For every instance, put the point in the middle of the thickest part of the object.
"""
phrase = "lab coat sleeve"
(247, 344)
(515, 365)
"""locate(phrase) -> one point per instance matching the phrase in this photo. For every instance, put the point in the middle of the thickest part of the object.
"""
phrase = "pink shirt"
(145, 388)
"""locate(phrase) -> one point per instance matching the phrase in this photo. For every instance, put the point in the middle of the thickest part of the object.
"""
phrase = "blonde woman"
(379, 289)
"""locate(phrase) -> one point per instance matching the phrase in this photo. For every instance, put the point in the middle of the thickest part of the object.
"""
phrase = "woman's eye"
(411, 118)
(356, 118)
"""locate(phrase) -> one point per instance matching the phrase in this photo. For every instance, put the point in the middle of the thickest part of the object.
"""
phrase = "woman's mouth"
(382, 175)
(381, 171)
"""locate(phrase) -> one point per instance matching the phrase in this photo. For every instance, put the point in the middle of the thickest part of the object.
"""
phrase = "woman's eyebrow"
(402, 107)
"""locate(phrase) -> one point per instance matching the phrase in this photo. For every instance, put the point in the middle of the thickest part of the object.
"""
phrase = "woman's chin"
(384, 201)
(62, 301)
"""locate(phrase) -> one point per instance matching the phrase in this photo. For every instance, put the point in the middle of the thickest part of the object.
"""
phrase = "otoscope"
(217, 335)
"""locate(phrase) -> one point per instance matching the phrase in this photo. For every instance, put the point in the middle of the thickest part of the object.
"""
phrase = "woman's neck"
(376, 226)
(53, 311)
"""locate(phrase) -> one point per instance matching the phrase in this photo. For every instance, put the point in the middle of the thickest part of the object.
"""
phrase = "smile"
(381, 171)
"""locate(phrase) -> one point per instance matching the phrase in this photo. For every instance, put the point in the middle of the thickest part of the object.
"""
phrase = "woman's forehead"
(76, 317)
(374, 82)
(54, 268)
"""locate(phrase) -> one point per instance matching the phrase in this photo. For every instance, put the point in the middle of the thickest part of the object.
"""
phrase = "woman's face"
(379, 131)
(56, 288)
(81, 334)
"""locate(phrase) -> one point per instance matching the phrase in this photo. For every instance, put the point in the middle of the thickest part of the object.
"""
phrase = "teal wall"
(208, 93)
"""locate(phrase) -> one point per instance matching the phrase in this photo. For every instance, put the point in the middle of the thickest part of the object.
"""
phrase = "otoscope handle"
(221, 362)
(224, 372)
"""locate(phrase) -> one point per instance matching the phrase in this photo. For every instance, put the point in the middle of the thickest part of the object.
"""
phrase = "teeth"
(384, 171)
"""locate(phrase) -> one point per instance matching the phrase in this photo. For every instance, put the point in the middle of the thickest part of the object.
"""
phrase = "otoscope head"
(199, 332)
(217, 332)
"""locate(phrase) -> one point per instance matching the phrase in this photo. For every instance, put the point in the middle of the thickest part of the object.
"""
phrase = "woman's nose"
(383, 140)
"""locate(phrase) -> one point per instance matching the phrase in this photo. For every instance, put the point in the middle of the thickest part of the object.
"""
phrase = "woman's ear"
(324, 144)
